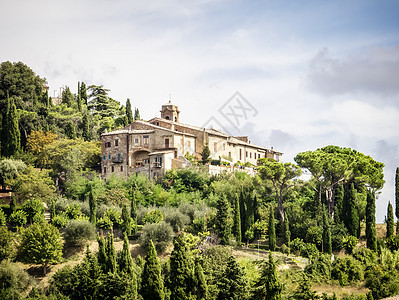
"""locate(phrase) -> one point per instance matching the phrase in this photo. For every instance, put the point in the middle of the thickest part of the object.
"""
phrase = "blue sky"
(317, 72)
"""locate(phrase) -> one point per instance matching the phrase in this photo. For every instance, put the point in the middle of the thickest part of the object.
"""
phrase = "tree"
(151, 279)
(181, 277)
(126, 260)
(85, 126)
(10, 170)
(7, 243)
(327, 245)
(136, 114)
(67, 97)
(304, 290)
(38, 140)
(233, 284)
(83, 93)
(272, 230)
(129, 113)
(32, 208)
(41, 244)
(338, 203)
(110, 250)
(79, 99)
(397, 195)
(201, 287)
(222, 220)
(78, 232)
(126, 221)
(351, 219)
(205, 154)
(268, 286)
(102, 253)
(10, 141)
(371, 234)
(92, 205)
(101, 104)
(390, 222)
(237, 220)
(287, 232)
(70, 131)
(13, 203)
(331, 166)
(133, 212)
(281, 176)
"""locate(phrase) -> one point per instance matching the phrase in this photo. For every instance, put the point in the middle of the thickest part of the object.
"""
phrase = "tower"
(170, 112)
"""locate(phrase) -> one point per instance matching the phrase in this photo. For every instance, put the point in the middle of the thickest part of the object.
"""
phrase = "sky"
(308, 73)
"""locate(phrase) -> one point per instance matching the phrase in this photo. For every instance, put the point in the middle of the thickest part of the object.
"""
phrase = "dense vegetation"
(190, 226)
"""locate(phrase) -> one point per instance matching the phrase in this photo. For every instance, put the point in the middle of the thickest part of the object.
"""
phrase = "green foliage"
(41, 244)
(13, 204)
(390, 221)
(10, 170)
(234, 284)
(32, 208)
(60, 221)
(67, 96)
(304, 290)
(272, 230)
(175, 218)
(126, 261)
(327, 245)
(14, 280)
(73, 211)
(126, 221)
(393, 243)
(10, 136)
(153, 216)
(129, 113)
(350, 242)
(371, 234)
(237, 221)
(136, 114)
(339, 202)
(351, 218)
(268, 285)
(151, 280)
(105, 223)
(286, 230)
(7, 244)
(205, 154)
(18, 218)
(382, 283)
(397, 194)
(222, 220)
(338, 232)
(320, 267)
(3, 218)
(93, 205)
(78, 232)
(347, 270)
(160, 234)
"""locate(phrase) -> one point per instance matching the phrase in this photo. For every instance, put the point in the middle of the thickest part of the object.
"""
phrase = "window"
(166, 143)
(105, 170)
(240, 154)
(145, 139)
(107, 144)
(258, 155)
(229, 154)
(116, 143)
(224, 146)
(157, 123)
(215, 147)
(119, 156)
(136, 141)
(158, 161)
(104, 158)
(121, 168)
(246, 153)
(109, 156)
(112, 168)
(250, 155)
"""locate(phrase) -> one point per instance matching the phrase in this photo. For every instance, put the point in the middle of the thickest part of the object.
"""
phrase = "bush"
(176, 219)
(78, 232)
(320, 267)
(114, 216)
(349, 242)
(153, 216)
(60, 221)
(2, 218)
(338, 232)
(73, 211)
(33, 208)
(104, 223)
(393, 243)
(382, 283)
(347, 270)
(309, 250)
(161, 235)
(366, 256)
(18, 218)
(7, 244)
(14, 280)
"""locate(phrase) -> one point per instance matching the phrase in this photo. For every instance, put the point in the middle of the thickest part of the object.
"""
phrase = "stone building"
(157, 145)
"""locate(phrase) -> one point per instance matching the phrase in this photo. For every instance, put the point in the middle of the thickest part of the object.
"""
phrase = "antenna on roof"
(170, 98)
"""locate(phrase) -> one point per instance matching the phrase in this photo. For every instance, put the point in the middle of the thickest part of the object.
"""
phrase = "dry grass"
(340, 291)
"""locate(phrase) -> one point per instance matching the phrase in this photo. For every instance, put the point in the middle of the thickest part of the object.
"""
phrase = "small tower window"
(167, 117)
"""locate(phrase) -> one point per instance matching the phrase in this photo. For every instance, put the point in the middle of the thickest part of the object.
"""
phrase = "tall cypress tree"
(371, 235)
(181, 277)
(70, 131)
(222, 216)
(201, 287)
(83, 93)
(250, 211)
(256, 209)
(11, 137)
(390, 221)
(242, 215)
(136, 114)
(237, 220)
(133, 213)
(268, 286)
(126, 221)
(93, 206)
(126, 260)
(110, 250)
(129, 113)
(85, 125)
(352, 214)
(151, 279)
(13, 204)
(79, 99)
(102, 253)
(338, 203)
(272, 230)
(233, 284)
(327, 245)
(397, 199)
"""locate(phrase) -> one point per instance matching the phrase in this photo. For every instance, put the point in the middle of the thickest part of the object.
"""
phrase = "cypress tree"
(338, 203)
(13, 204)
(133, 213)
(70, 131)
(272, 230)
(79, 99)
(287, 232)
(390, 221)
(233, 284)
(397, 199)
(237, 220)
(304, 290)
(181, 277)
(102, 253)
(129, 113)
(371, 235)
(327, 245)
(222, 218)
(352, 214)
(268, 286)
(201, 287)
(110, 250)
(136, 114)
(83, 93)
(151, 279)
(126, 221)
(256, 209)
(11, 137)
(93, 206)
(242, 215)
(126, 260)
(250, 212)
(85, 125)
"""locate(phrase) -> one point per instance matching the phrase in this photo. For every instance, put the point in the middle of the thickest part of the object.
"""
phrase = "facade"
(155, 146)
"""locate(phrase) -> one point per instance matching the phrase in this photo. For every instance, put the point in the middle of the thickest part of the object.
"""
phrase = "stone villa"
(155, 146)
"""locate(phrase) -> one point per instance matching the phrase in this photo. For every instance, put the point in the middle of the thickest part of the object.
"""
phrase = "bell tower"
(170, 112)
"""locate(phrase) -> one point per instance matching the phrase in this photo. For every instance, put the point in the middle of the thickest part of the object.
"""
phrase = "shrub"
(104, 223)
(393, 243)
(176, 219)
(18, 218)
(320, 267)
(349, 242)
(338, 232)
(32, 208)
(2, 217)
(60, 221)
(347, 270)
(153, 216)
(78, 232)
(161, 235)
(366, 256)
(73, 211)
(296, 244)
(114, 216)
(7, 244)
(309, 250)
(14, 280)
(382, 283)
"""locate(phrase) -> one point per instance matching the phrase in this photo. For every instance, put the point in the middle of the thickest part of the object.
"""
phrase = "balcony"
(117, 159)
